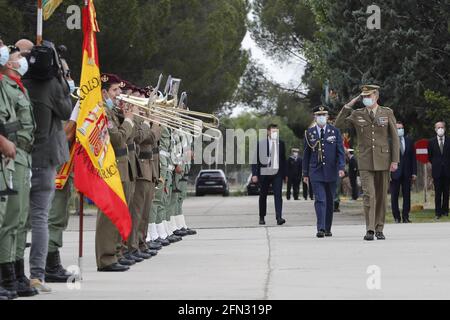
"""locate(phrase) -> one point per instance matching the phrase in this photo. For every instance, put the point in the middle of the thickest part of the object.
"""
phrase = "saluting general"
(323, 163)
(379, 153)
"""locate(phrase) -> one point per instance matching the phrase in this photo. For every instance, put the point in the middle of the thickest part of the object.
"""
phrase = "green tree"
(196, 40)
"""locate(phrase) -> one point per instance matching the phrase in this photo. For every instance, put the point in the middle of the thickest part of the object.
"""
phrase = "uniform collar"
(18, 81)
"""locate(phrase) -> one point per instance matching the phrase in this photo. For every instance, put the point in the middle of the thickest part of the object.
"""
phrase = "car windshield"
(211, 174)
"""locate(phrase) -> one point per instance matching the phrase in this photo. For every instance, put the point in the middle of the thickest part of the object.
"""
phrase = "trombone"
(174, 118)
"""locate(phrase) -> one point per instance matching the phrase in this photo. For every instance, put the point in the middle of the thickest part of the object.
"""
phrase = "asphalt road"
(234, 258)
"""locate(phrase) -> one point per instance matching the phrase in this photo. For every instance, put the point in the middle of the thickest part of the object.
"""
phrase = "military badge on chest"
(383, 121)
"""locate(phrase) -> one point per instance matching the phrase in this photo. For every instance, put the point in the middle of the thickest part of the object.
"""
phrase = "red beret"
(110, 79)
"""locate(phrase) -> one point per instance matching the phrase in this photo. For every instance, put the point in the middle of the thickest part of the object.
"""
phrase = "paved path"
(232, 258)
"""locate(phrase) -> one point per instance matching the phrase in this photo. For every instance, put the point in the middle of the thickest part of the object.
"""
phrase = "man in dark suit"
(269, 168)
(353, 173)
(294, 167)
(439, 156)
(323, 164)
(404, 176)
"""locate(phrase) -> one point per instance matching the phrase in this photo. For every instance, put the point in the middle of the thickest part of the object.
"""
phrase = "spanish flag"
(49, 6)
(95, 169)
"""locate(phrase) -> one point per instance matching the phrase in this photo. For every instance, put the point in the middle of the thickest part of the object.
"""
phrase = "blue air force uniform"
(323, 158)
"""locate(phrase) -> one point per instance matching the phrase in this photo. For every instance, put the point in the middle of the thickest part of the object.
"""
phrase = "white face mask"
(23, 66)
(321, 120)
(368, 102)
(440, 132)
(295, 154)
(4, 55)
(274, 135)
(401, 132)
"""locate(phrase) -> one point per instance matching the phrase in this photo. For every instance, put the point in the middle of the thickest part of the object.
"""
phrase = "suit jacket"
(333, 155)
(440, 162)
(378, 141)
(261, 161)
(408, 163)
(294, 167)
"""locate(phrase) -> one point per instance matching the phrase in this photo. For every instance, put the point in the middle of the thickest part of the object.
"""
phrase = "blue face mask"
(321, 120)
(4, 55)
(71, 84)
(368, 102)
(401, 132)
(109, 103)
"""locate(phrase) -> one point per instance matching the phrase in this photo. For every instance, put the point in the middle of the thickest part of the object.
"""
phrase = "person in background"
(439, 156)
(294, 174)
(404, 177)
(353, 173)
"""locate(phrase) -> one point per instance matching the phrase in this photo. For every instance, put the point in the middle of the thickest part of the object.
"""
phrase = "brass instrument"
(165, 113)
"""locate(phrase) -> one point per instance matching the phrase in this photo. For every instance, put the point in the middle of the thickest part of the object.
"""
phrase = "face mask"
(4, 55)
(440, 132)
(295, 155)
(71, 84)
(109, 103)
(23, 66)
(368, 102)
(274, 135)
(401, 132)
(321, 120)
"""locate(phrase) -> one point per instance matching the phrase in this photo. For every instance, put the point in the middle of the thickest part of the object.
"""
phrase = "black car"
(211, 182)
(253, 189)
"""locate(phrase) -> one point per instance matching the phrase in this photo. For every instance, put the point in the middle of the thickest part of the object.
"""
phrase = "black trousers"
(354, 185)
(277, 186)
(306, 188)
(441, 188)
(293, 183)
(405, 185)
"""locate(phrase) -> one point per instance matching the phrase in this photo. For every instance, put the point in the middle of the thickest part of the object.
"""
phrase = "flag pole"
(80, 247)
(39, 24)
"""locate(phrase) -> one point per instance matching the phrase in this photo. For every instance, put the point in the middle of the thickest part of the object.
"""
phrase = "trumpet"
(165, 113)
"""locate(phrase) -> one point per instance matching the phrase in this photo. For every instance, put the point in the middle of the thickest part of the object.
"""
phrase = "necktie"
(441, 144)
(274, 155)
(372, 115)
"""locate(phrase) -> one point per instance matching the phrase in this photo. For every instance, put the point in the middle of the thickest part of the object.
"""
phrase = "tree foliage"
(196, 40)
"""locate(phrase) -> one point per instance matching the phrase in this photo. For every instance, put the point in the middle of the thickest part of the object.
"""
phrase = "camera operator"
(50, 95)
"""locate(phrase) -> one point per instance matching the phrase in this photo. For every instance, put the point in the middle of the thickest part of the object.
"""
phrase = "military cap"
(321, 110)
(110, 79)
(368, 89)
(295, 150)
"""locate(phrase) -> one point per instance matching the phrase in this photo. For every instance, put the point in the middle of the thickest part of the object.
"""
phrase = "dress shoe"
(406, 220)
(398, 220)
(320, 234)
(190, 232)
(180, 233)
(369, 236)
(54, 271)
(127, 262)
(24, 288)
(130, 256)
(281, 221)
(150, 252)
(116, 267)
(262, 222)
(380, 236)
(173, 238)
(163, 242)
(153, 245)
(328, 234)
(142, 255)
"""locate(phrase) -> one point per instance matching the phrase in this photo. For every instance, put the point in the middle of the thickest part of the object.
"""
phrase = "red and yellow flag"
(49, 6)
(95, 169)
